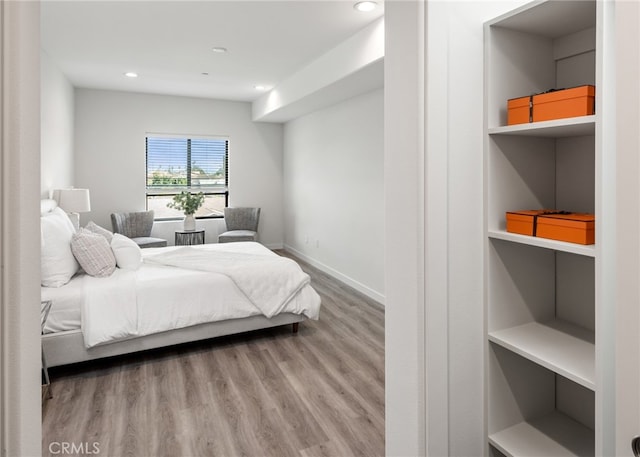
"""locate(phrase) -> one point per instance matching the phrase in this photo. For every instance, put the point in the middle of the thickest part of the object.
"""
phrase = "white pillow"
(93, 253)
(57, 263)
(127, 252)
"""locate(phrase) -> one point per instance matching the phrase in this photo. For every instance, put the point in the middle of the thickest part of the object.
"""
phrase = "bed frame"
(67, 347)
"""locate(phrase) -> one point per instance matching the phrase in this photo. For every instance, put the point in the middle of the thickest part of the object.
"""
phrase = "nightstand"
(45, 308)
(189, 237)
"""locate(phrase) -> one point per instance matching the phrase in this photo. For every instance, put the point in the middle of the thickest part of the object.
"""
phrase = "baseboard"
(369, 292)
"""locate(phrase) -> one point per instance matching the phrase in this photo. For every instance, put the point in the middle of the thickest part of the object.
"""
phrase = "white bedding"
(66, 304)
(268, 281)
(160, 297)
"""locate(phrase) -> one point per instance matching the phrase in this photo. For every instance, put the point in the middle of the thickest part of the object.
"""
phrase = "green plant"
(187, 202)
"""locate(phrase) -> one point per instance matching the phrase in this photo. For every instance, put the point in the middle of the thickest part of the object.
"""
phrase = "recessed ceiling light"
(365, 6)
(131, 74)
(259, 87)
(219, 49)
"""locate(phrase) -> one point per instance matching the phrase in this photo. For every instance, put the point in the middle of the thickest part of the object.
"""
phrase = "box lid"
(520, 102)
(563, 94)
(533, 212)
(573, 220)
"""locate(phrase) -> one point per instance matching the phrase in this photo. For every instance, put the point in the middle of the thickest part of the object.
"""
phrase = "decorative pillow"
(57, 263)
(127, 252)
(93, 253)
(95, 228)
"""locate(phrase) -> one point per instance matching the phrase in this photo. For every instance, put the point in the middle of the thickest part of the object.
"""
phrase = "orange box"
(574, 227)
(525, 222)
(519, 110)
(577, 101)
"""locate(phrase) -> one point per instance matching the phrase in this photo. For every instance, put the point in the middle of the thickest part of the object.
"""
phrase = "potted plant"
(188, 203)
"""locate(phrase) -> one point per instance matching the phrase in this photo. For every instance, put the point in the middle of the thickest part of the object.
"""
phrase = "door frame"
(625, 300)
(20, 397)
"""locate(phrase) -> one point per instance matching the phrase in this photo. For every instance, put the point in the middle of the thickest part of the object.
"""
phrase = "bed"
(171, 295)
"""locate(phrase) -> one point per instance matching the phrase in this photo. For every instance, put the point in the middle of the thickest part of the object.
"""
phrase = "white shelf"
(558, 128)
(563, 348)
(572, 248)
(552, 435)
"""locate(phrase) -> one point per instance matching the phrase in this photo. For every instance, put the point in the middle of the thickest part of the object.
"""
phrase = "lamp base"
(75, 220)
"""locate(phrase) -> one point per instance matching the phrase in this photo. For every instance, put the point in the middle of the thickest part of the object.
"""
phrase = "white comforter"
(268, 281)
(181, 286)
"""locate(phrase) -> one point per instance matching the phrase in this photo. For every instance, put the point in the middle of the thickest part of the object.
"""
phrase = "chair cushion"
(237, 235)
(133, 225)
(150, 242)
(242, 218)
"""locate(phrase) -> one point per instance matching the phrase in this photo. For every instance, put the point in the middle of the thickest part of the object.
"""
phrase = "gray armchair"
(242, 225)
(137, 226)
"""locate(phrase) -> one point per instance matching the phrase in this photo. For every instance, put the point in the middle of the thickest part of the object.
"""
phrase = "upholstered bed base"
(68, 347)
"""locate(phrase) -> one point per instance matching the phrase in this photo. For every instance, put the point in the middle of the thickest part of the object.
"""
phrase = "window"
(177, 164)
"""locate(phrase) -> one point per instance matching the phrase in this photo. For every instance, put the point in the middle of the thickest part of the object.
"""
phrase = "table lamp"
(74, 201)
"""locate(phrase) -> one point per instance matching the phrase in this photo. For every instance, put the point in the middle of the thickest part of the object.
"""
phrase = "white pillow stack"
(95, 249)
(57, 262)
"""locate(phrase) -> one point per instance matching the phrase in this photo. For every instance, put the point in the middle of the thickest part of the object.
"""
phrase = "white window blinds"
(192, 164)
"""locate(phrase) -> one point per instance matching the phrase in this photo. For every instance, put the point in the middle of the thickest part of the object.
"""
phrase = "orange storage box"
(519, 110)
(577, 101)
(525, 222)
(574, 227)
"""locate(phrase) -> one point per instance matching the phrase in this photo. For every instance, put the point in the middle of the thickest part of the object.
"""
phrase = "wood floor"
(265, 393)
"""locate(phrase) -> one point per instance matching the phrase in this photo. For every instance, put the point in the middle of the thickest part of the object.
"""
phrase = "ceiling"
(169, 43)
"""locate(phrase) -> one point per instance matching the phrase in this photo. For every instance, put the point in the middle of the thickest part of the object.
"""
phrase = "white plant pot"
(189, 223)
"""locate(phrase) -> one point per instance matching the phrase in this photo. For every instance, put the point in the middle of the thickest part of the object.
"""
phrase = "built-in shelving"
(552, 435)
(540, 293)
(559, 346)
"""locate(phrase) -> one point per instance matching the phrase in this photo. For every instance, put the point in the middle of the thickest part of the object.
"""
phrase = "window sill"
(180, 219)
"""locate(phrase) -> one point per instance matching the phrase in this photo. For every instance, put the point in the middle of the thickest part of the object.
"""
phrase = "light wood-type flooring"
(264, 393)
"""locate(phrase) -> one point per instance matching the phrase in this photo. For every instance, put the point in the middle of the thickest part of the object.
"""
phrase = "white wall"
(56, 117)
(619, 401)
(333, 191)
(110, 130)
(404, 229)
(455, 334)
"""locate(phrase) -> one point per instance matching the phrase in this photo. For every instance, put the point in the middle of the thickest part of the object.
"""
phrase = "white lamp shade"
(74, 200)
